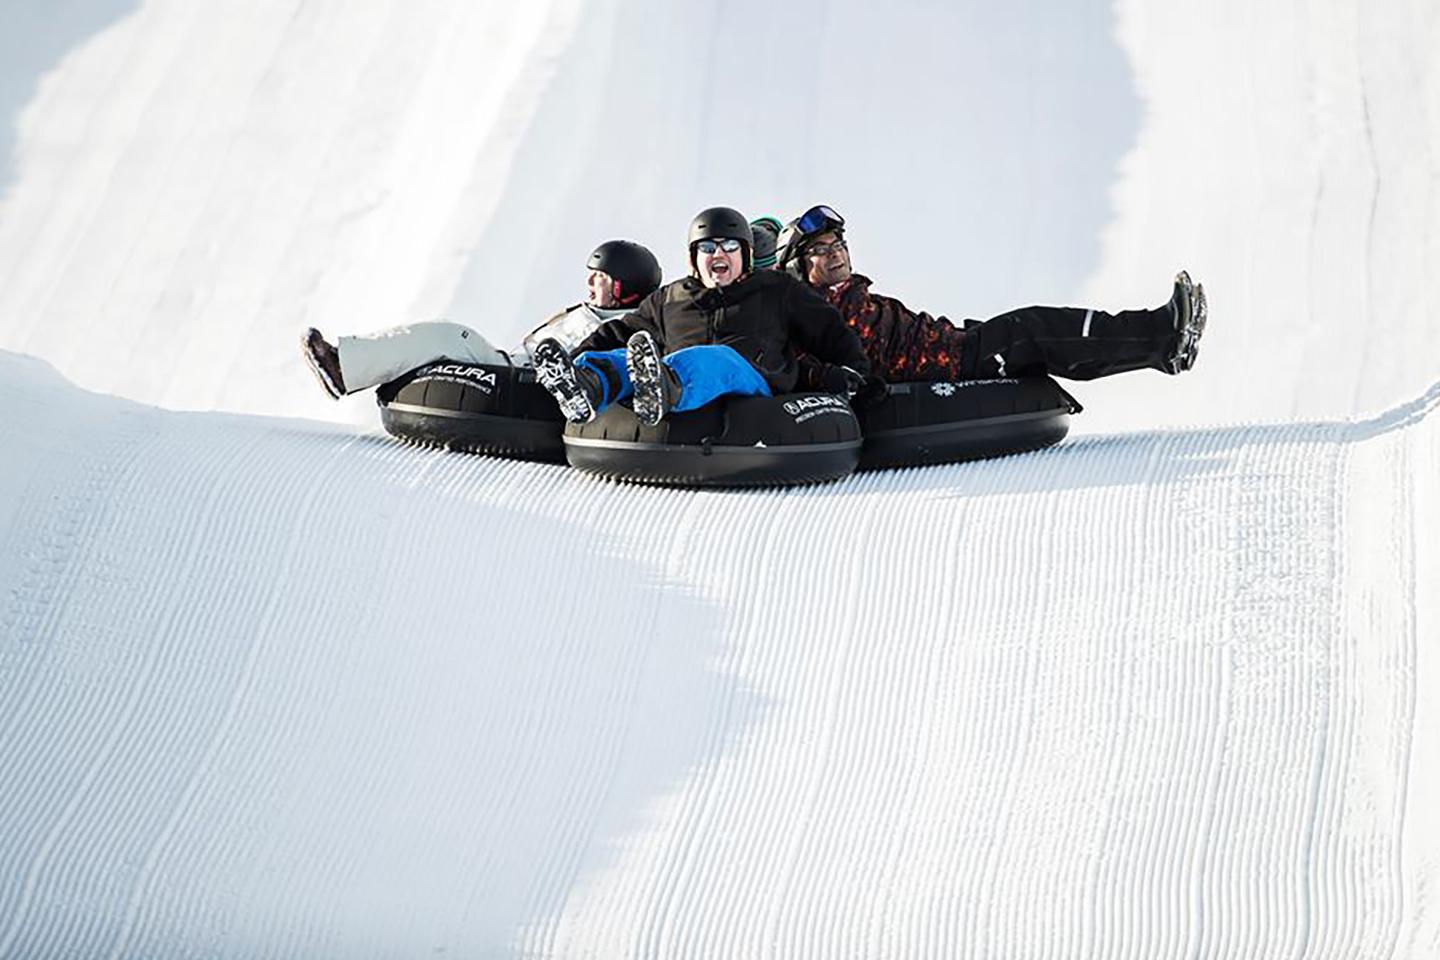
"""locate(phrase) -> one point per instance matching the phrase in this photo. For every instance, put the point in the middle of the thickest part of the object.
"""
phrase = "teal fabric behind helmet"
(764, 232)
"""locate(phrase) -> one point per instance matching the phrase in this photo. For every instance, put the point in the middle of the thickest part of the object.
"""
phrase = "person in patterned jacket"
(905, 345)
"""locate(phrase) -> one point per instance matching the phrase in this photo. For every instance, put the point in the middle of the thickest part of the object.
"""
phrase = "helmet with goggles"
(801, 232)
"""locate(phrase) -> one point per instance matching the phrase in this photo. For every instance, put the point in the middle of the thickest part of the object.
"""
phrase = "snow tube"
(940, 422)
(481, 408)
(736, 442)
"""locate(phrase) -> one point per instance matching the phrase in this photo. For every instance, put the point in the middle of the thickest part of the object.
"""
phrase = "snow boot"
(1188, 310)
(324, 361)
(575, 389)
(657, 389)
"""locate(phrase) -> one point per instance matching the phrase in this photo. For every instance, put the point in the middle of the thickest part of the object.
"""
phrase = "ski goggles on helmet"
(818, 219)
(707, 247)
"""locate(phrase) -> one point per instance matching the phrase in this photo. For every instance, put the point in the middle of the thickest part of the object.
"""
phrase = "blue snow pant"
(706, 373)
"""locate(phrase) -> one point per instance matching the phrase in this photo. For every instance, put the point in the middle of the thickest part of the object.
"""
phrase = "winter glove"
(810, 372)
(872, 392)
(842, 380)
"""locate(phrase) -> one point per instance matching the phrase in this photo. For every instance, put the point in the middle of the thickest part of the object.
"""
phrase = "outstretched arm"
(818, 329)
(614, 334)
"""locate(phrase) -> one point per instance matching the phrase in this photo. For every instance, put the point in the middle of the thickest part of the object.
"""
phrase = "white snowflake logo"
(943, 389)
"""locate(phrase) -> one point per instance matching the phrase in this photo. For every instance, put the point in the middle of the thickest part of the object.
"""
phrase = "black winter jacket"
(764, 316)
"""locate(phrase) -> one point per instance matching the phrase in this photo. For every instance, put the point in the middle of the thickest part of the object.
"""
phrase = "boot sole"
(1200, 313)
(1182, 355)
(642, 359)
(316, 367)
(556, 373)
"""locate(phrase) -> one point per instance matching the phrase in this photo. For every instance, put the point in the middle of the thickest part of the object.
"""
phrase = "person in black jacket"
(725, 330)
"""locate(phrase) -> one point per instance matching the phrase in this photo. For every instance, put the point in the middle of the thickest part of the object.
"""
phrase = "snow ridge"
(272, 688)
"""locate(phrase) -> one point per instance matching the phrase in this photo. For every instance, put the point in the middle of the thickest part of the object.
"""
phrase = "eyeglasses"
(825, 249)
(708, 247)
(817, 218)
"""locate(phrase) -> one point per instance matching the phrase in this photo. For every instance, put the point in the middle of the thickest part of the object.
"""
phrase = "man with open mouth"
(724, 330)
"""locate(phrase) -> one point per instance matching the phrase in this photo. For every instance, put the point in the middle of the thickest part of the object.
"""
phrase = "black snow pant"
(1070, 342)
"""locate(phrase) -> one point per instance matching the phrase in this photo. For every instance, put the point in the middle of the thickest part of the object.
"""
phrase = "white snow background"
(273, 685)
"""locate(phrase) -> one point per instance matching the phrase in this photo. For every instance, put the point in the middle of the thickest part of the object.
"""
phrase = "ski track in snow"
(278, 688)
(274, 689)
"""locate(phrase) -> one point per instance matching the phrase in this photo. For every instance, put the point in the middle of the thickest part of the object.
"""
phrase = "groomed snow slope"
(276, 689)
(279, 687)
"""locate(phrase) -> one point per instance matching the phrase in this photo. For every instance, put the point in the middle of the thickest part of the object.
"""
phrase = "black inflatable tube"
(752, 441)
(482, 433)
(973, 440)
(498, 411)
(930, 423)
(712, 465)
(736, 442)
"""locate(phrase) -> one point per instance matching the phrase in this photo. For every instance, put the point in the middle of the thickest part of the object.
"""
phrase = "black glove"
(872, 392)
(842, 380)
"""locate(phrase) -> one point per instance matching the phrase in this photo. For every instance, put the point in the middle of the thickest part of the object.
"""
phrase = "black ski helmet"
(634, 269)
(764, 232)
(798, 234)
(722, 223)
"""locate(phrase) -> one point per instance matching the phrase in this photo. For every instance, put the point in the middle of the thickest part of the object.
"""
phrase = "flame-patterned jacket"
(901, 344)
